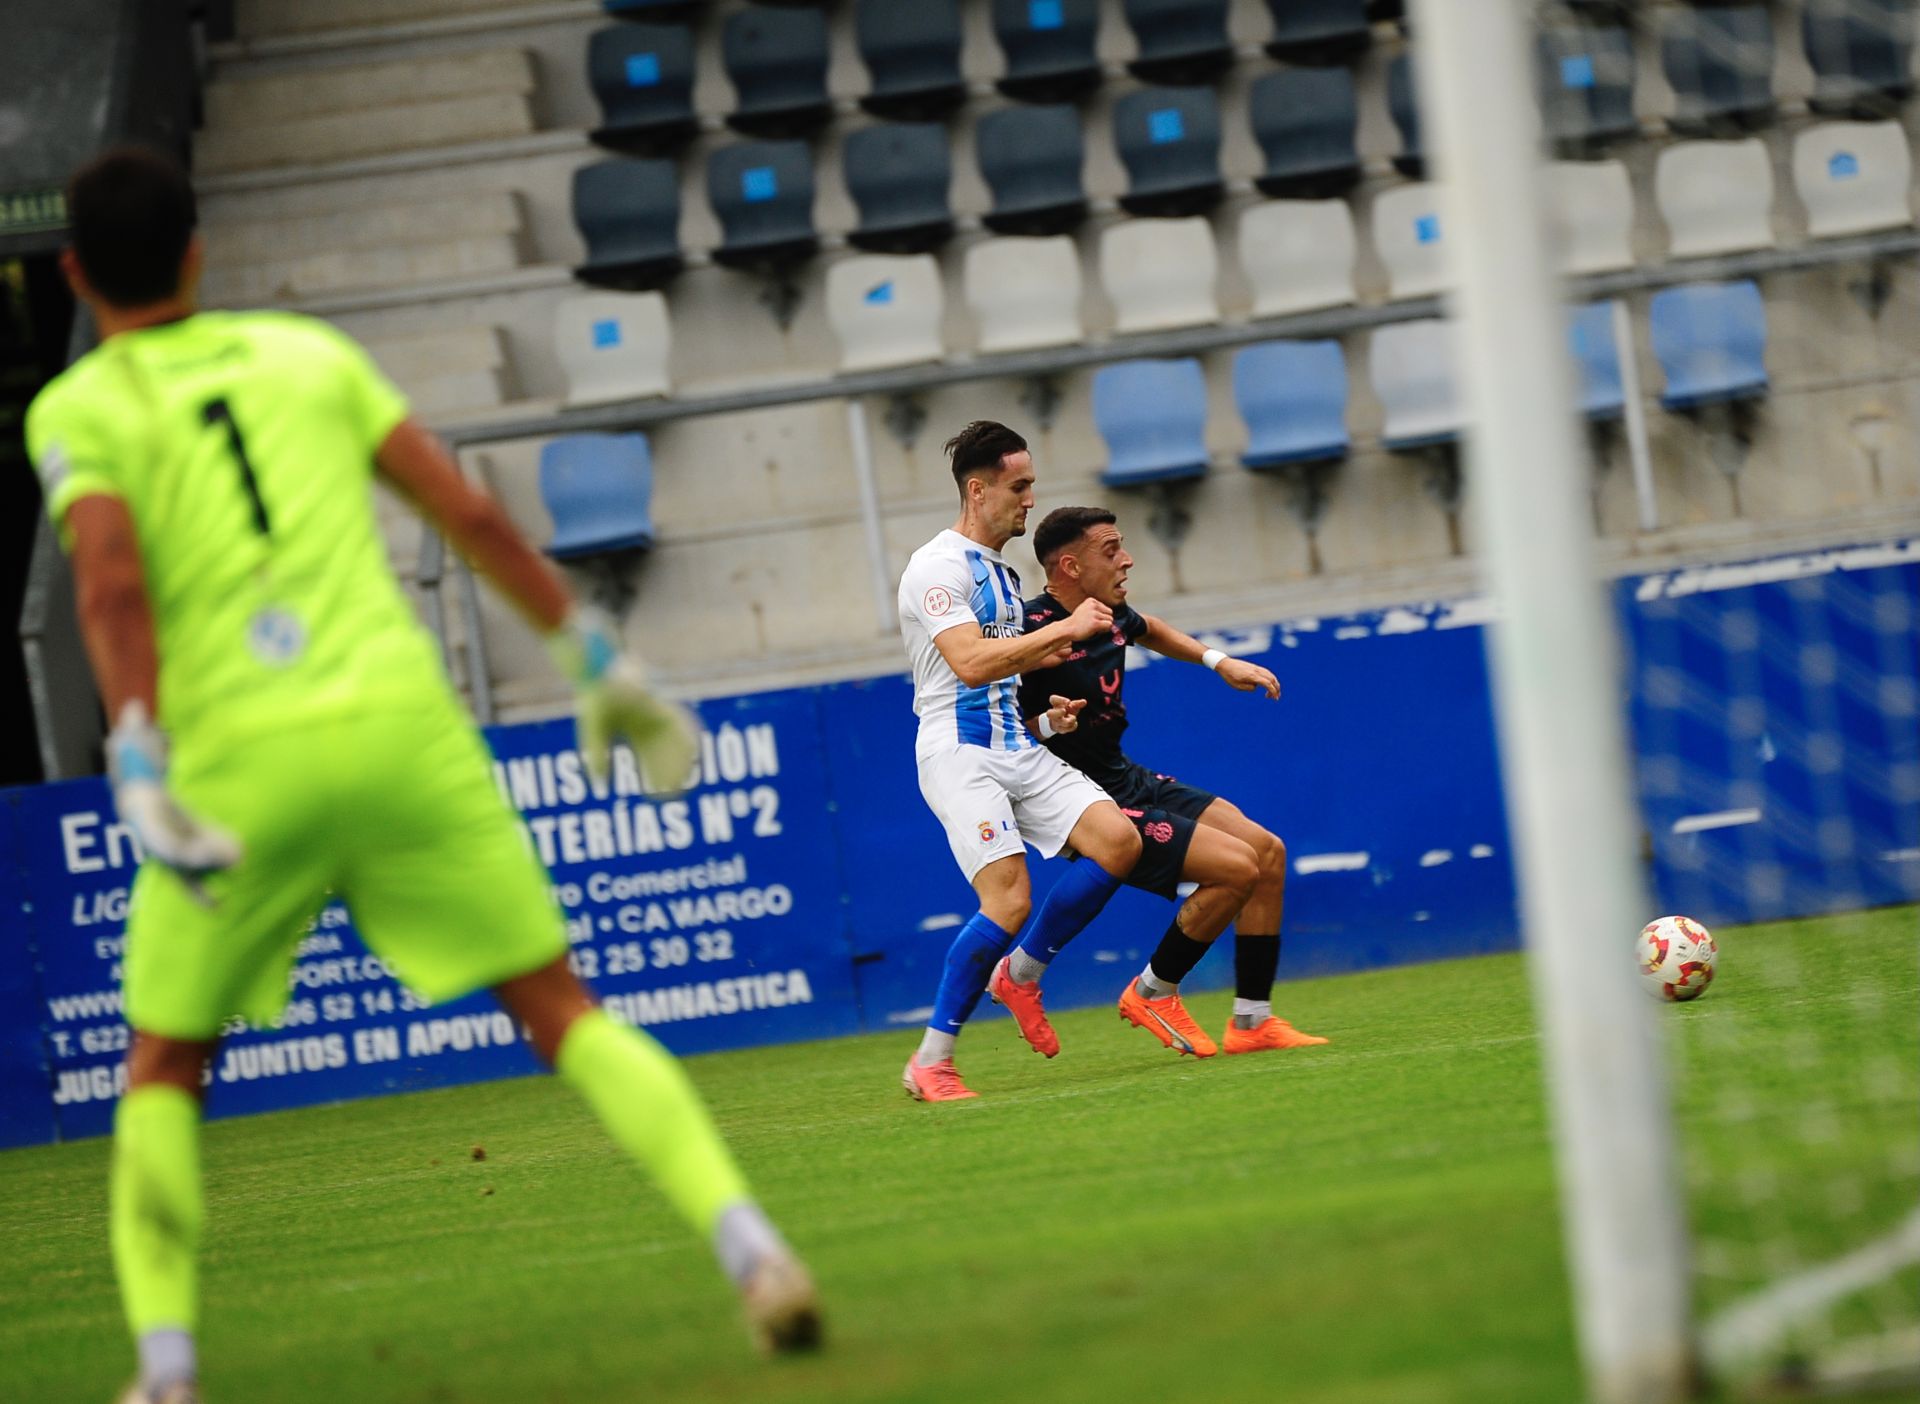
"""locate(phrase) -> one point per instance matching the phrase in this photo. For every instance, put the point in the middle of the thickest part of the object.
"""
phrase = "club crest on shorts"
(987, 832)
(1159, 830)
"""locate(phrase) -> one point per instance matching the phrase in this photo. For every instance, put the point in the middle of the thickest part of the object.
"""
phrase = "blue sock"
(1075, 900)
(970, 960)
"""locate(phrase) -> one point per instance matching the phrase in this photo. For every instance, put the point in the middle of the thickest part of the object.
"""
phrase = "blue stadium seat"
(1169, 141)
(642, 76)
(1049, 48)
(629, 214)
(1293, 396)
(599, 491)
(1711, 340)
(897, 174)
(1153, 415)
(1719, 63)
(762, 192)
(651, 10)
(777, 60)
(1181, 41)
(1412, 160)
(1304, 120)
(1590, 330)
(912, 53)
(1862, 56)
(1319, 31)
(1030, 158)
(1585, 83)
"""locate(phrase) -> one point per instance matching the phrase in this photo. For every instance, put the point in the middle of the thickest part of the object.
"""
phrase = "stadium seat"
(1412, 160)
(1169, 141)
(1153, 416)
(613, 346)
(1585, 83)
(1304, 120)
(1181, 41)
(912, 53)
(598, 489)
(1711, 341)
(885, 310)
(1716, 196)
(762, 192)
(1590, 330)
(1024, 293)
(777, 61)
(651, 9)
(1591, 207)
(1407, 233)
(1160, 273)
(1862, 56)
(1411, 365)
(897, 174)
(1049, 48)
(1293, 397)
(1030, 158)
(1719, 63)
(1298, 255)
(642, 76)
(1318, 31)
(1853, 177)
(629, 214)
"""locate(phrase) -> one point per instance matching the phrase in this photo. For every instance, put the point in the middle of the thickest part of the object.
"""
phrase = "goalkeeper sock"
(156, 1209)
(1075, 900)
(643, 1097)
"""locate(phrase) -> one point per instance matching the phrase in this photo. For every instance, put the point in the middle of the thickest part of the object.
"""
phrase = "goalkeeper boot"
(1272, 1032)
(1023, 1002)
(1167, 1020)
(936, 1082)
(781, 1306)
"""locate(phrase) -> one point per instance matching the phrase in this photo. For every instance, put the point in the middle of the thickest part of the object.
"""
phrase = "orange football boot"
(1167, 1020)
(1023, 1002)
(939, 1082)
(1272, 1032)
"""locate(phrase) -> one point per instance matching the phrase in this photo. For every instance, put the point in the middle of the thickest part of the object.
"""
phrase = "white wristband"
(1044, 726)
(1213, 658)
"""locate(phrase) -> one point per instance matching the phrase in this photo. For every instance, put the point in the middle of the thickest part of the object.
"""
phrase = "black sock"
(1177, 954)
(1256, 960)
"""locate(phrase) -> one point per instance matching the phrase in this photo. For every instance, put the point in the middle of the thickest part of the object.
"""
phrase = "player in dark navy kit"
(1187, 834)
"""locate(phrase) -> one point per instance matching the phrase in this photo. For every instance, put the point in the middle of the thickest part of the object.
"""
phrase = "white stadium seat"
(1716, 196)
(1591, 207)
(886, 310)
(613, 346)
(1853, 177)
(1411, 365)
(1025, 293)
(1407, 234)
(1160, 273)
(1298, 255)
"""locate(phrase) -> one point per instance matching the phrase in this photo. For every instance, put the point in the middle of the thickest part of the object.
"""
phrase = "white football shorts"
(990, 801)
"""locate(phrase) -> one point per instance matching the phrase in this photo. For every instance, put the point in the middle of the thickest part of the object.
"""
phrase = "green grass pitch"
(1370, 1221)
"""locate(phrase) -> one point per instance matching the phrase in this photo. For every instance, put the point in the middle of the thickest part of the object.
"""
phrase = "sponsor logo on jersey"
(275, 637)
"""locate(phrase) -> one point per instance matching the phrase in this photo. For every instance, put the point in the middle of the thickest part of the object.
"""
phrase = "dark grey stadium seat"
(777, 60)
(912, 53)
(1585, 83)
(762, 192)
(642, 75)
(1181, 41)
(1049, 48)
(1304, 120)
(1319, 31)
(898, 173)
(1169, 141)
(1862, 56)
(629, 214)
(1030, 158)
(1719, 62)
(1412, 160)
(651, 11)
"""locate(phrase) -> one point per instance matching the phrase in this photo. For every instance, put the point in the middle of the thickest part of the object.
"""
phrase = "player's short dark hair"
(979, 448)
(1063, 526)
(131, 214)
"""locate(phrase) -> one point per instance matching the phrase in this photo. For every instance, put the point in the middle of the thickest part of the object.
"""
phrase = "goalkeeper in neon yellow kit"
(282, 728)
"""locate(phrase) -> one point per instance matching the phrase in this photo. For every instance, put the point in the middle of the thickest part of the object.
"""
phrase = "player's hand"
(137, 762)
(1243, 676)
(1063, 713)
(1089, 617)
(612, 700)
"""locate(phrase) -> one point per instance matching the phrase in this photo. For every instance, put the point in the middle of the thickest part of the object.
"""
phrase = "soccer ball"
(1676, 956)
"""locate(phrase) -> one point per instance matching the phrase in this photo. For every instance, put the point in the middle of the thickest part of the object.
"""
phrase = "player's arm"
(977, 659)
(1237, 673)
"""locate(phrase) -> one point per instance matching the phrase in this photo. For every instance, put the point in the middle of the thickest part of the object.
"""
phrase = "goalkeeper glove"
(137, 762)
(612, 700)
